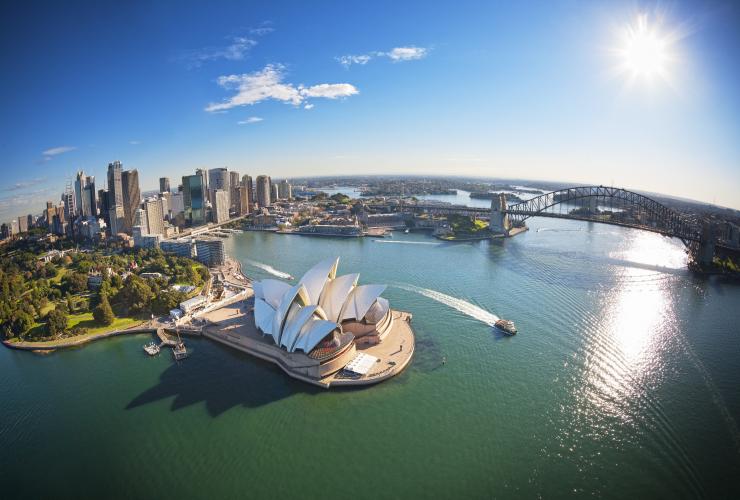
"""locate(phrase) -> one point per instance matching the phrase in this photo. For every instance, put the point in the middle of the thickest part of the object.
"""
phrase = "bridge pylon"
(500, 223)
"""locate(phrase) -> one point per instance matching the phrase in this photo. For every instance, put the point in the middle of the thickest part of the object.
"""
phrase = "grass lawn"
(85, 320)
(58, 278)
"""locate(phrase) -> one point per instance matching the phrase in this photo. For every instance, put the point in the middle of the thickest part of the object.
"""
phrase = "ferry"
(506, 326)
(151, 349)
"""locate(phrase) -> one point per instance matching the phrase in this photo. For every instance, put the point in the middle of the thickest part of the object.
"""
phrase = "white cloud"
(349, 60)
(234, 51)
(266, 84)
(251, 119)
(407, 53)
(134, 143)
(396, 54)
(328, 90)
(308, 106)
(58, 150)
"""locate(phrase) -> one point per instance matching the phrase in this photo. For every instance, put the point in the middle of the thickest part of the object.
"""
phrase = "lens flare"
(645, 53)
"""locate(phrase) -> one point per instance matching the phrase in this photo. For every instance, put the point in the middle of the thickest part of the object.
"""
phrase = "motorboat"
(151, 349)
(506, 325)
(406, 231)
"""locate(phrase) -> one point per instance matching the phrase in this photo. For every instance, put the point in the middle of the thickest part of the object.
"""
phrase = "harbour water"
(622, 382)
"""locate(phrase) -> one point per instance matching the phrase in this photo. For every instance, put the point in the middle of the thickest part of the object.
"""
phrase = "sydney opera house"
(326, 329)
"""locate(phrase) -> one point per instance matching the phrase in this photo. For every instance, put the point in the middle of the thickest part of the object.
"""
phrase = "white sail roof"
(300, 316)
(312, 333)
(360, 300)
(264, 315)
(378, 310)
(336, 293)
(273, 291)
(295, 294)
(292, 328)
(316, 277)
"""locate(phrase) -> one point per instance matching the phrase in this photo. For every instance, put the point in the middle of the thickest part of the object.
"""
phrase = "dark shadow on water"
(222, 379)
(427, 356)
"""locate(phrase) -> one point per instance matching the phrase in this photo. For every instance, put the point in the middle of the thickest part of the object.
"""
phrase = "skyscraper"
(285, 190)
(204, 176)
(220, 206)
(154, 215)
(164, 184)
(22, 224)
(241, 207)
(218, 178)
(85, 194)
(247, 183)
(263, 191)
(273, 193)
(131, 197)
(233, 183)
(193, 194)
(49, 214)
(103, 204)
(69, 199)
(115, 198)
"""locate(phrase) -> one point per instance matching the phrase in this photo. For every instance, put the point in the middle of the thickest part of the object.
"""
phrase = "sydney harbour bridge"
(602, 204)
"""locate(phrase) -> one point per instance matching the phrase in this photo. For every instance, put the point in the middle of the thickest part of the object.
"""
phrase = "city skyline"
(488, 91)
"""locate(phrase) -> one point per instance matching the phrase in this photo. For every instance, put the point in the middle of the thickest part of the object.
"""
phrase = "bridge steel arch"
(658, 217)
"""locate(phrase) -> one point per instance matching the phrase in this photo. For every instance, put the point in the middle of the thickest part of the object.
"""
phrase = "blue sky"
(519, 89)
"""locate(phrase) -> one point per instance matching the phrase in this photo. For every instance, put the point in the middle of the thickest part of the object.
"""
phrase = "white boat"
(406, 231)
(151, 349)
(506, 325)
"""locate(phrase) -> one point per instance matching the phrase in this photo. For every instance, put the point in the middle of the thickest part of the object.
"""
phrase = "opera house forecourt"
(326, 330)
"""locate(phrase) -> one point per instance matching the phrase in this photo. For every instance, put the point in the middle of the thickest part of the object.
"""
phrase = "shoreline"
(76, 341)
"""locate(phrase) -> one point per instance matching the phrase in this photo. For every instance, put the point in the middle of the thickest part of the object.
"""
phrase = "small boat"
(506, 326)
(406, 231)
(151, 349)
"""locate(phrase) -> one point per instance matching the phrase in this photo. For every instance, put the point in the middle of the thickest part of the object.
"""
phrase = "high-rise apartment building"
(273, 192)
(164, 184)
(285, 190)
(131, 197)
(263, 191)
(154, 215)
(194, 200)
(241, 205)
(220, 206)
(23, 224)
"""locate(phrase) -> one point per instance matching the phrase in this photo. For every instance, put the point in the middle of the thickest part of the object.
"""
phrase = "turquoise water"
(623, 381)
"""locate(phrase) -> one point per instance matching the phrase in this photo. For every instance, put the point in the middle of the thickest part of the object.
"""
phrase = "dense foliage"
(54, 299)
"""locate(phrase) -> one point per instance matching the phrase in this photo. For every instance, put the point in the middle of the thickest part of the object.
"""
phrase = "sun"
(645, 53)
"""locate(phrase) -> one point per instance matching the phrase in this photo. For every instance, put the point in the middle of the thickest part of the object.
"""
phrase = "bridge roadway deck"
(234, 327)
